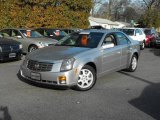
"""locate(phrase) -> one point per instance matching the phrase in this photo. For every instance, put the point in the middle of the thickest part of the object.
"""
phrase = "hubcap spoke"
(85, 78)
(134, 63)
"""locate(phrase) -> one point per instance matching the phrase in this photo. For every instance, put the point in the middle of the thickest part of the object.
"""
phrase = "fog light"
(62, 79)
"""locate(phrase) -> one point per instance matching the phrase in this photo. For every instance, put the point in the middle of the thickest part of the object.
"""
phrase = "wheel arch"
(93, 65)
(31, 45)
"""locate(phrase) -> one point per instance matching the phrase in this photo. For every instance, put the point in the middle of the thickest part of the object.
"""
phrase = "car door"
(111, 55)
(124, 43)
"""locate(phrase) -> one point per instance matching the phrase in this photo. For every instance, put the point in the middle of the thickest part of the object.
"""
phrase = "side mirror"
(19, 37)
(110, 45)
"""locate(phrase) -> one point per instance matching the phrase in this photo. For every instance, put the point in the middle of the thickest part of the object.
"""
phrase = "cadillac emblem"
(36, 66)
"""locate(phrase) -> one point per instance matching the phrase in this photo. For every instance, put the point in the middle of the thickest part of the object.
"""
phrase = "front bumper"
(4, 56)
(50, 78)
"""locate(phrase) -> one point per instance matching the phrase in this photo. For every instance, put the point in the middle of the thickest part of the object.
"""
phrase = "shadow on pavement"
(149, 100)
(4, 113)
(156, 51)
(53, 87)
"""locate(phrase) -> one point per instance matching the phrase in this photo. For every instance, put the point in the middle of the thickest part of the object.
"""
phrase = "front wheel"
(32, 48)
(133, 64)
(86, 78)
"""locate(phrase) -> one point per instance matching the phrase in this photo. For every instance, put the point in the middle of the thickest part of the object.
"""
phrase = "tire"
(143, 46)
(19, 57)
(32, 48)
(86, 78)
(133, 64)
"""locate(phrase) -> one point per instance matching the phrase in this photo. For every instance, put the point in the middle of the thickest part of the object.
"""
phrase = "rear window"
(128, 31)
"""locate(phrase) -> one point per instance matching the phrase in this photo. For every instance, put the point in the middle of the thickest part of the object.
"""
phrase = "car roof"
(98, 31)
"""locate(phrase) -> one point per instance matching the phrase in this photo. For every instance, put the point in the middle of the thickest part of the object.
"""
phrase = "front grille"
(9, 48)
(39, 66)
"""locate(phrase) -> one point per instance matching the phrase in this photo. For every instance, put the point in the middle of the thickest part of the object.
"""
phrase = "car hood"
(45, 39)
(55, 53)
(7, 41)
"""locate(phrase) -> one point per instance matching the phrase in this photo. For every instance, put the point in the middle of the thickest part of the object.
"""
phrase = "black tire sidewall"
(33, 46)
(130, 67)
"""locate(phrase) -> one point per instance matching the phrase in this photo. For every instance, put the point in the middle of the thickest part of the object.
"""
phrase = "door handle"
(118, 52)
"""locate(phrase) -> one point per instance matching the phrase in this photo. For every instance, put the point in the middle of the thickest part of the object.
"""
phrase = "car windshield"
(31, 34)
(128, 31)
(147, 32)
(89, 40)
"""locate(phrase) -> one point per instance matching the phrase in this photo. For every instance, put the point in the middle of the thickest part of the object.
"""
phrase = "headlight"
(25, 62)
(42, 44)
(67, 64)
(20, 46)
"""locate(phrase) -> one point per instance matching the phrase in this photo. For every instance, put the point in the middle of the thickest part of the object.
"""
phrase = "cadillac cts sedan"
(79, 59)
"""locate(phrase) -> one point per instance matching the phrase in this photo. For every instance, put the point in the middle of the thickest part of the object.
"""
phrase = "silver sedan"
(80, 58)
(30, 39)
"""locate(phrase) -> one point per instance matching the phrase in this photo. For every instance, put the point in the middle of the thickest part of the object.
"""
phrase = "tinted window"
(41, 31)
(15, 33)
(121, 39)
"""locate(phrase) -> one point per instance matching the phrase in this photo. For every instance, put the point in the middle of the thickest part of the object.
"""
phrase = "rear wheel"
(86, 78)
(143, 45)
(133, 64)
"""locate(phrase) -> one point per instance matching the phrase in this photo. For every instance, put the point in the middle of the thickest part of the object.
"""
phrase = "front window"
(89, 40)
(31, 34)
(122, 39)
(128, 31)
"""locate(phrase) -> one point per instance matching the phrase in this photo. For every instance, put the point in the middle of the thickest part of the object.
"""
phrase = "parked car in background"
(151, 36)
(1, 35)
(10, 50)
(30, 39)
(80, 58)
(136, 34)
(56, 34)
(157, 42)
(70, 30)
(97, 27)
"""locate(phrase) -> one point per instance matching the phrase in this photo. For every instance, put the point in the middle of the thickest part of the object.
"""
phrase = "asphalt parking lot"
(117, 96)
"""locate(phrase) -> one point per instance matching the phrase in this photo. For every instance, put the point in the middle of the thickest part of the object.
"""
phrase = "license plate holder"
(35, 76)
(12, 55)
